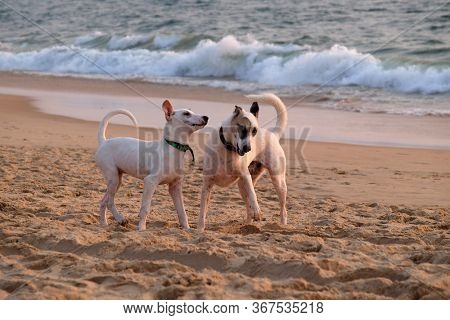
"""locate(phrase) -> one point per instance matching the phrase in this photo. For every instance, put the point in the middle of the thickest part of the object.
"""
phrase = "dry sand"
(364, 222)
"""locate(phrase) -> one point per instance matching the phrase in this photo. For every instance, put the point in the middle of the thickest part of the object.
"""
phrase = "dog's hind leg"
(276, 164)
(102, 217)
(150, 184)
(204, 202)
(175, 190)
(113, 186)
(279, 182)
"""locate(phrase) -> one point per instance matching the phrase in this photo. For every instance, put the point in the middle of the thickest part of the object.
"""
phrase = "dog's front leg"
(244, 195)
(255, 211)
(176, 192)
(150, 184)
(204, 202)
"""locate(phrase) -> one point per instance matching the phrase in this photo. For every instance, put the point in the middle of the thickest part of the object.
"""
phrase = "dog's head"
(183, 119)
(244, 127)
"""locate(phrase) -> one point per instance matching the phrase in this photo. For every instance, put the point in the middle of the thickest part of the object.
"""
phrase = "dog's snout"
(205, 118)
(245, 148)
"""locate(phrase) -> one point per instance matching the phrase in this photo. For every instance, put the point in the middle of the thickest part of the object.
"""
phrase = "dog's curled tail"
(105, 121)
(279, 106)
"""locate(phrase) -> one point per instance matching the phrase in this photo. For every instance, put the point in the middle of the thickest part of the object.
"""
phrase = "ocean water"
(362, 56)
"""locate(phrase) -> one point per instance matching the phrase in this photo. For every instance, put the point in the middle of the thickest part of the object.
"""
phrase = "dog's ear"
(168, 109)
(254, 109)
(237, 110)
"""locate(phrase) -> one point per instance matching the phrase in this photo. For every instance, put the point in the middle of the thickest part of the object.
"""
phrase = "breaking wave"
(246, 61)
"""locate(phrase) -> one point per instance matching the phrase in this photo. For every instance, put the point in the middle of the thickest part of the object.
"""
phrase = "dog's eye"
(186, 113)
(254, 131)
(243, 132)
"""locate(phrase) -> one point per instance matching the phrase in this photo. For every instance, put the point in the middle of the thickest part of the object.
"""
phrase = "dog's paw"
(141, 227)
(257, 216)
(283, 215)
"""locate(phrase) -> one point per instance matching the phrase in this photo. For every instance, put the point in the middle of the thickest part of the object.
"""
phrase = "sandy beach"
(364, 222)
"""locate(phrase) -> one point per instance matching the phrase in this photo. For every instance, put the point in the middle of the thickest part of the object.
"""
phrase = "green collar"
(181, 147)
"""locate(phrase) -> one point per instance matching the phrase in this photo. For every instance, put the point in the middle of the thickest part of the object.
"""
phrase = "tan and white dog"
(156, 162)
(241, 151)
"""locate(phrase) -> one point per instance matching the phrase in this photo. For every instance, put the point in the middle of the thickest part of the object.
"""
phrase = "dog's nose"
(205, 118)
(246, 148)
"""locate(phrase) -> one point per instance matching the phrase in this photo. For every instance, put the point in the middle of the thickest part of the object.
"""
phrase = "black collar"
(227, 145)
(181, 147)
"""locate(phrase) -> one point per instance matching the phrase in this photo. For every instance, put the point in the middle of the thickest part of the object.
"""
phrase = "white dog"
(156, 162)
(241, 151)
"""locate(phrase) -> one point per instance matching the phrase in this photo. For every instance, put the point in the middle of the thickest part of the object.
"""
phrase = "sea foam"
(247, 61)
